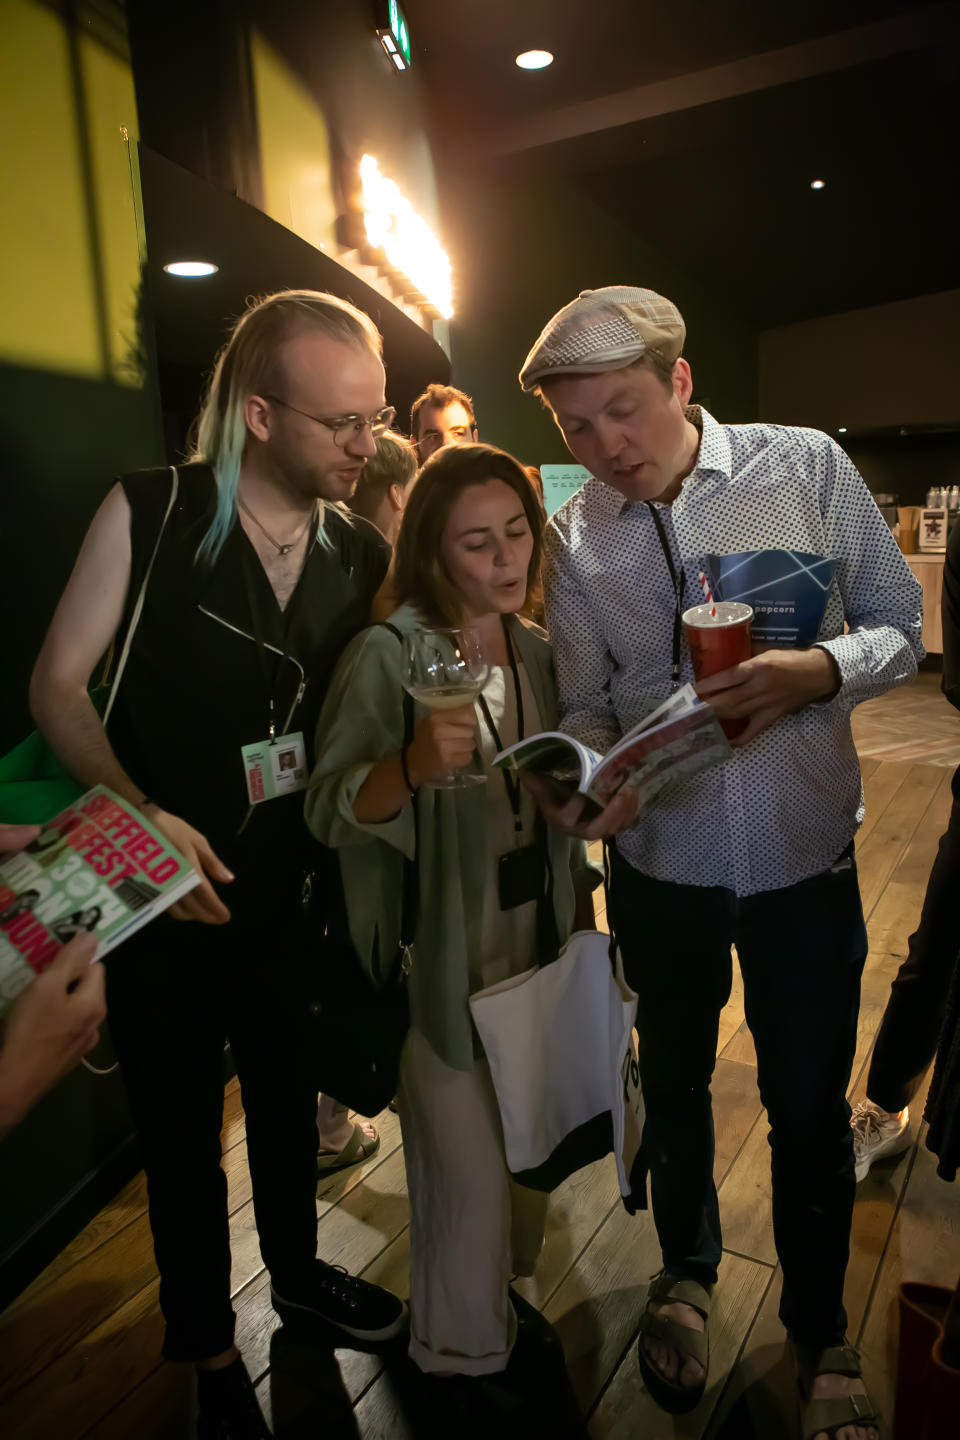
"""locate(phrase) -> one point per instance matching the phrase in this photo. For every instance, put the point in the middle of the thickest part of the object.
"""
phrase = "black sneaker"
(228, 1406)
(332, 1296)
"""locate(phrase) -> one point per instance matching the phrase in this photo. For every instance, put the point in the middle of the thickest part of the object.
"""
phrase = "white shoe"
(877, 1133)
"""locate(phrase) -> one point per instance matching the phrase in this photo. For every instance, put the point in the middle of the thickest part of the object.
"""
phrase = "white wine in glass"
(445, 668)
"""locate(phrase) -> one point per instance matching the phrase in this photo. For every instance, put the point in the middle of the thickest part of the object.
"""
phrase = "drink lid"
(728, 612)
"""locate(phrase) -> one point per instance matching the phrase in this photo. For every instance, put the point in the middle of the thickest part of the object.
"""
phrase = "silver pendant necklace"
(281, 549)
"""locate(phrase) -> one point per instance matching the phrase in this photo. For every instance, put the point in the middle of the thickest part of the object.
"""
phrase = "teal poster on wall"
(560, 482)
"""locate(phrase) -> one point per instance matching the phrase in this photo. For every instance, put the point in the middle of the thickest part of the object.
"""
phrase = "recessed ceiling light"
(534, 59)
(841, 429)
(191, 268)
(818, 184)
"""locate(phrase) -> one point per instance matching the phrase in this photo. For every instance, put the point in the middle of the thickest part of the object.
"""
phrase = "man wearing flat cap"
(756, 852)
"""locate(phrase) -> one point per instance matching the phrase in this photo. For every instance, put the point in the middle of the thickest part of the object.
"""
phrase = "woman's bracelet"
(406, 773)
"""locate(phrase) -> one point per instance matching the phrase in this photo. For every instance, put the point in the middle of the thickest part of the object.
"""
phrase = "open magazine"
(678, 739)
(97, 866)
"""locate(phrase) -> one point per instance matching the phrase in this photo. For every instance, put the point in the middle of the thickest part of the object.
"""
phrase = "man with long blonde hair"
(257, 579)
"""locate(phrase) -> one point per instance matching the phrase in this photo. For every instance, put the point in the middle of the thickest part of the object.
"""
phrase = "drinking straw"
(707, 595)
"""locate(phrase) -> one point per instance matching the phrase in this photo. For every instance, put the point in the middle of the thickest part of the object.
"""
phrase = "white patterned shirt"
(788, 803)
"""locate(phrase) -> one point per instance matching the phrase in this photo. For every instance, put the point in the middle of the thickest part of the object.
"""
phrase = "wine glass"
(444, 668)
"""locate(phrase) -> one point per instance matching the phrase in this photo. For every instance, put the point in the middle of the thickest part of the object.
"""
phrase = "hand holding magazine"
(98, 867)
(678, 739)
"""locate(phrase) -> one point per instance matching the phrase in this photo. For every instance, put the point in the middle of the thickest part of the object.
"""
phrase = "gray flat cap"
(605, 330)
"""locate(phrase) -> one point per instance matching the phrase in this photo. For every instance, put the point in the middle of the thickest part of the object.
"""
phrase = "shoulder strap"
(138, 608)
(608, 845)
(411, 882)
(407, 697)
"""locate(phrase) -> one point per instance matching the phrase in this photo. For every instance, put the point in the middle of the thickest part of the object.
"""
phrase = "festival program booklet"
(97, 866)
(678, 739)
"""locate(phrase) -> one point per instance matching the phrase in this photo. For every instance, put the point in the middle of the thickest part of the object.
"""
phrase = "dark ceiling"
(700, 124)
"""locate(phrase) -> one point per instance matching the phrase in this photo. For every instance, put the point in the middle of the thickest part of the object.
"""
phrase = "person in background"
(380, 498)
(384, 486)
(907, 1038)
(756, 852)
(468, 554)
(54, 1022)
(258, 582)
(442, 415)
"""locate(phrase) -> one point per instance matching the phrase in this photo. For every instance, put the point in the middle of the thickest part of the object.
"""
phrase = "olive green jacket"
(361, 722)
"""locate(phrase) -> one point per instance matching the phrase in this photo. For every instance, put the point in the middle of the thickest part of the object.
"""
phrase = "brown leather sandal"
(689, 1344)
(828, 1415)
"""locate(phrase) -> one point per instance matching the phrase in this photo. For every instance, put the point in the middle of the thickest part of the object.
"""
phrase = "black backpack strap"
(410, 914)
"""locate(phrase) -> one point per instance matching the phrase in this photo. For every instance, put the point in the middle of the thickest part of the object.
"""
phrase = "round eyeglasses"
(345, 427)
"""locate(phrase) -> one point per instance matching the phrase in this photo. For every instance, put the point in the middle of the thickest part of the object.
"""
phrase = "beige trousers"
(471, 1226)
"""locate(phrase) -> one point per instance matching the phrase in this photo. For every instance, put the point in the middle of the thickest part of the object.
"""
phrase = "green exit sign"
(394, 34)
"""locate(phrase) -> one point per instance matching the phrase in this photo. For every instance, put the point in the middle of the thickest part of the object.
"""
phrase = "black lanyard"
(678, 583)
(513, 785)
(270, 667)
(547, 937)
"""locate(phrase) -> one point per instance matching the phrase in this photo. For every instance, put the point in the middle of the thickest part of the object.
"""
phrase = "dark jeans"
(801, 952)
(907, 1038)
(175, 994)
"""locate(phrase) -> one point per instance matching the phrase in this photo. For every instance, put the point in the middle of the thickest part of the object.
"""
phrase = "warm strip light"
(534, 59)
(392, 225)
(191, 268)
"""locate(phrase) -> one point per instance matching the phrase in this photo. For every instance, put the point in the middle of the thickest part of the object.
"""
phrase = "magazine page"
(679, 703)
(98, 866)
(788, 590)
(662, 756)
(675, 740)
(554, 754)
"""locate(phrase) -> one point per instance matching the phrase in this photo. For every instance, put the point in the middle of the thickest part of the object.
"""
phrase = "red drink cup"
(718, 641)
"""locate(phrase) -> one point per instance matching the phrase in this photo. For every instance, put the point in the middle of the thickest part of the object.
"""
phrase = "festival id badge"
(275, 767)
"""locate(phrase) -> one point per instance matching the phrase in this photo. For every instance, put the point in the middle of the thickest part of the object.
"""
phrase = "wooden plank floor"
(79, 1349)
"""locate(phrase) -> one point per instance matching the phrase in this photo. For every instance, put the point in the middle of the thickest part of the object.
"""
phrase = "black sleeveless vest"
(194, 689)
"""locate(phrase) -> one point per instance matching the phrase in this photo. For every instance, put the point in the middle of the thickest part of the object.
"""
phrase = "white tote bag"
(563, 1059)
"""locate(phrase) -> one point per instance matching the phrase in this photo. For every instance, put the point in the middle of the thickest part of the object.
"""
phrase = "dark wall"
(63, 441)
(906, 465)
(522, 247)
(868, 369)
(330, 48)
(197, 54)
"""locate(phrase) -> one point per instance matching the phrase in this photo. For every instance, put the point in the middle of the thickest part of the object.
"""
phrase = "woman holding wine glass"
(498, 892)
